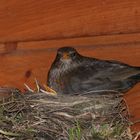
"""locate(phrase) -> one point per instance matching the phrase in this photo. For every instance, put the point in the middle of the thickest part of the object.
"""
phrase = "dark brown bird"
(72, 73)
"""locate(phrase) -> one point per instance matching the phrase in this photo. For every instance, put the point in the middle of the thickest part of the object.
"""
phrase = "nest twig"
(37, 116)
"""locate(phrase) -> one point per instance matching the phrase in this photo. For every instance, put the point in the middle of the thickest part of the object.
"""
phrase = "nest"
(39, 116)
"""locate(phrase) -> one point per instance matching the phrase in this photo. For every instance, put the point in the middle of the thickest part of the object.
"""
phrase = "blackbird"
(72, 73)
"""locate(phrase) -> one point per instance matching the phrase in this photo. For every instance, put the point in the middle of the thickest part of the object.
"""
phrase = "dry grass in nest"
(38, 116)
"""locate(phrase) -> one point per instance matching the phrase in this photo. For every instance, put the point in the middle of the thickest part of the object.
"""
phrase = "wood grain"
(46, 19)
(133, 103)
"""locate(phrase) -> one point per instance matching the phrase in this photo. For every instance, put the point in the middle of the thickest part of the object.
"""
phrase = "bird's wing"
(100, 76)
(120, 70)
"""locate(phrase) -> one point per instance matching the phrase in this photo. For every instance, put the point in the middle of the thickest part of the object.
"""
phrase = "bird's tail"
(137, 68)
(135, 78)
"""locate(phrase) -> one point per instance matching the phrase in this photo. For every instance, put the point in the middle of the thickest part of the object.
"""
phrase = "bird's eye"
(73, 54)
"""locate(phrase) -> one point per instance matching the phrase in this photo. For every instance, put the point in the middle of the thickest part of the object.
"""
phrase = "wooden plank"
(133, 103)
(47, 19)
(84, 41)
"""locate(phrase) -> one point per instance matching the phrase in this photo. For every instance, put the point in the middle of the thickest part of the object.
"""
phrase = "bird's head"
(67, 54)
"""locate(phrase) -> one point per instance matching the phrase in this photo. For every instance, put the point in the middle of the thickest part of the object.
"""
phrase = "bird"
(73, 73)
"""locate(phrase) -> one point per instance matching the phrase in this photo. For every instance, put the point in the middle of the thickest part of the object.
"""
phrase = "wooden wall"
(31, 31)
(54, 19)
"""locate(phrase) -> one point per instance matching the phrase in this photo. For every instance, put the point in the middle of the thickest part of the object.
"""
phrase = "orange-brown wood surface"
(133, 102)
(47, 19)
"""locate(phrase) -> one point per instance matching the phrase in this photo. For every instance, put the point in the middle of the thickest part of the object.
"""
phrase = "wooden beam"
(133, 102)
(46, 19)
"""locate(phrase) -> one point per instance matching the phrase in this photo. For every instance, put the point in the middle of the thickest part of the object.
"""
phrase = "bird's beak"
(65, 56)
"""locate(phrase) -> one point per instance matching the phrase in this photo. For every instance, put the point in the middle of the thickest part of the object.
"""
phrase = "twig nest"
(75, 117)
